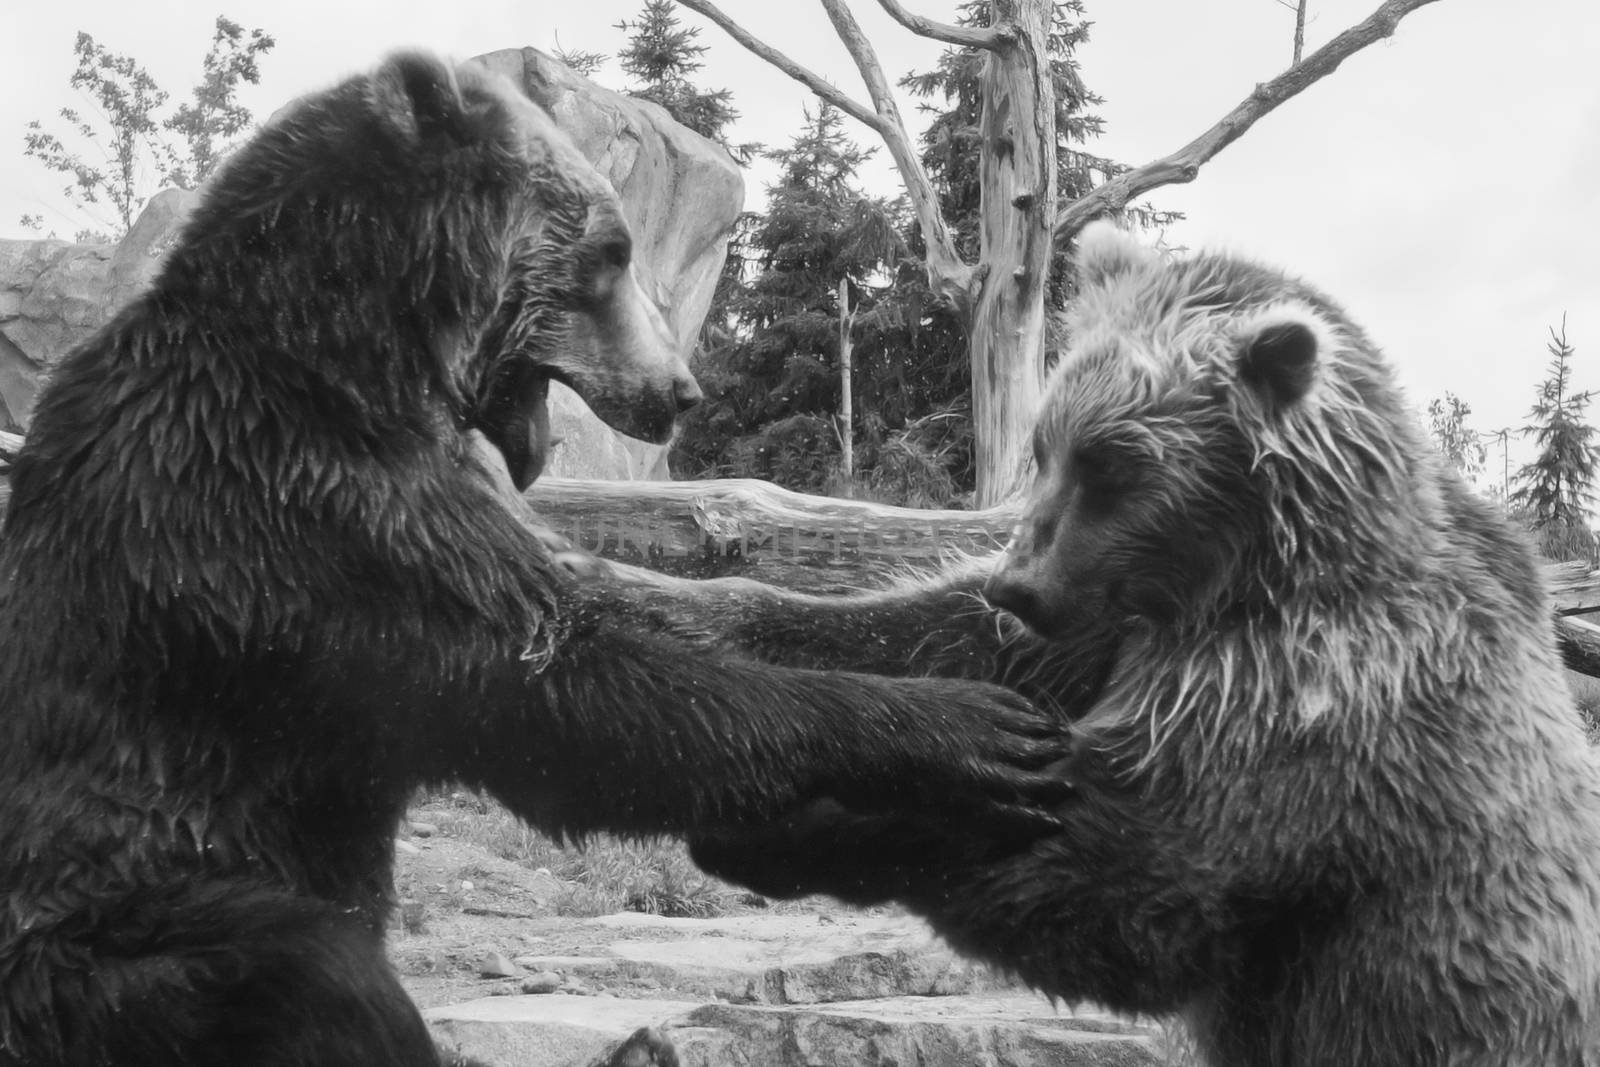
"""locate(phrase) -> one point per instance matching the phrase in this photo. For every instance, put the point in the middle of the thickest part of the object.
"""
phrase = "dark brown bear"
(1334, 805)
(255, 588)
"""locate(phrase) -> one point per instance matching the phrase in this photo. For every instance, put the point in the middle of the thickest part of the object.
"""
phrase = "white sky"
(1444, 185)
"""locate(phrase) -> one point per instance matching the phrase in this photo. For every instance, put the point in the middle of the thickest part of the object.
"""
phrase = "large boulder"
(52, 295)
(681, 193)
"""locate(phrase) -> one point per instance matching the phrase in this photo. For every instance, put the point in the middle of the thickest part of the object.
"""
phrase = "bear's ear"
(1279, 349)
(1106, 250)
(417, 96)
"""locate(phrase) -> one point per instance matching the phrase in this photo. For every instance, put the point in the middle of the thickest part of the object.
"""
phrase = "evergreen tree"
(1555, 490)
(772, 381)
(577, 59)
(660, 55)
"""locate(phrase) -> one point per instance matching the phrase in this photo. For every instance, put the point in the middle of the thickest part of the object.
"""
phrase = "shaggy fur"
(1334, 805)
(255, 588)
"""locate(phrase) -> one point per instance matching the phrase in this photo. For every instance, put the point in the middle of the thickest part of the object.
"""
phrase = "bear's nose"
(686, 394)
(1005, 593)
(1016, 594)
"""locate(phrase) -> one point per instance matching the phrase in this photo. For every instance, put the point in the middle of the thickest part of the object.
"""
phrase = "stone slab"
(1000, 1030)
(552, 1030)
(787, 959)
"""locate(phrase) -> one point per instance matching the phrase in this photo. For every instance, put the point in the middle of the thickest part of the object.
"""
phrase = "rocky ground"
(502, 976)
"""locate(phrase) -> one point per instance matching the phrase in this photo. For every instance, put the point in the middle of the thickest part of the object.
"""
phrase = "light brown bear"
(1334, 806)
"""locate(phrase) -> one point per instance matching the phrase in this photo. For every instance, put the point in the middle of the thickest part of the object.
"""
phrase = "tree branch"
(961, 36)
(1182, 165)
(811, 80)
(948, 276)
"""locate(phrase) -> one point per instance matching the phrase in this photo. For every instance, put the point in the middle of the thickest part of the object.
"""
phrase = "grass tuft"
(603, 874)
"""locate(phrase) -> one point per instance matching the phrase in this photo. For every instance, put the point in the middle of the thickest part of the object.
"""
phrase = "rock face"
(51, 296)
(802, 985)
(681, 193)
(845, 987)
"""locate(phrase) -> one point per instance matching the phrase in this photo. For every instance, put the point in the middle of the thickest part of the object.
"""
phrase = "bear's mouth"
(514, 414)
(645, 413)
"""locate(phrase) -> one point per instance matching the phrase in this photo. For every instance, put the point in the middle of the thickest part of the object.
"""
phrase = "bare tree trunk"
(1018, 183)
(1001, 299)
(847, 434)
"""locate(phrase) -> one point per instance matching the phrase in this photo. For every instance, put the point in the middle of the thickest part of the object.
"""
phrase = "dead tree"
(1000, 298)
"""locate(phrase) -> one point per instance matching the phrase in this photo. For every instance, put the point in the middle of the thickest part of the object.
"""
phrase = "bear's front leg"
(936, 627)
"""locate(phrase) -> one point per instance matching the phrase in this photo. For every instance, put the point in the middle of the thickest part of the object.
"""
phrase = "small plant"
(1459, 443)
(604, 874)
(121, 150)
(1589, 711)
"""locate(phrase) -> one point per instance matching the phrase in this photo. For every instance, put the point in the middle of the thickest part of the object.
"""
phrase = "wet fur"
(1334, 805)
(256, 587)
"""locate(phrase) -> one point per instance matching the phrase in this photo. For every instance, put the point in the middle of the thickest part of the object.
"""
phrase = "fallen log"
(1574, 586)
(744, 517)
(1580, 644)
(740, 517)
(737, 518)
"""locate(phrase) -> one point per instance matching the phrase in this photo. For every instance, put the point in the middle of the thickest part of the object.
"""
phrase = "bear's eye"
(1100, 476)
(615, 252)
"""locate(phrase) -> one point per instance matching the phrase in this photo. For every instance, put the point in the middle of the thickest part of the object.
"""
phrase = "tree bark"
(958, 36)
(1017, 181)
(847, 421)
(1579, 640)
(738, 516)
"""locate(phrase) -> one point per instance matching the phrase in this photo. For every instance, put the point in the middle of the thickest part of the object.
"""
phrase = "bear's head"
(426, 235)
(1217, 437)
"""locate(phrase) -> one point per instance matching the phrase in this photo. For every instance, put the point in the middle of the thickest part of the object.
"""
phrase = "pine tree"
(580, 60)
(1554, 491)
(660, 55)
(773, 383)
